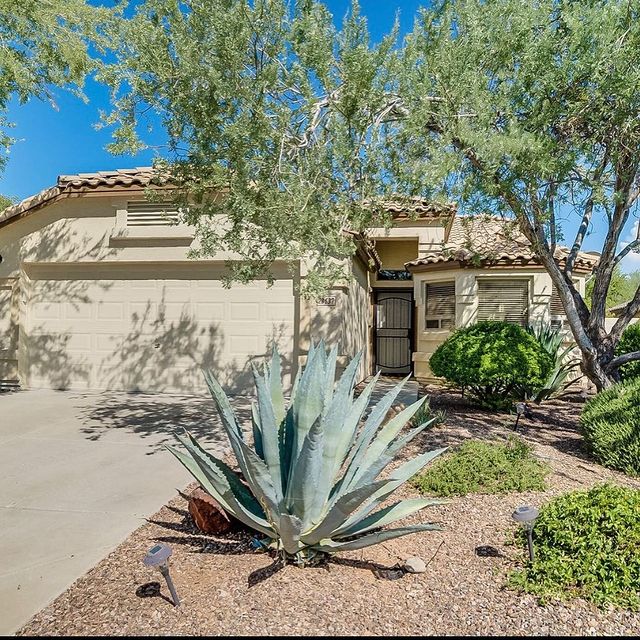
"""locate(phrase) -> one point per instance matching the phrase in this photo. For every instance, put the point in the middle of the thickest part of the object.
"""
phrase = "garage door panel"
(153, 334)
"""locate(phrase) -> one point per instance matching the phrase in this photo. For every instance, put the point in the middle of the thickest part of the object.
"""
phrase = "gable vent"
(141, 213)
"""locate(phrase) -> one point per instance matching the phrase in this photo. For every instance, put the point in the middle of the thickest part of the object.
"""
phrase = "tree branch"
(623, 359)
(630, 247)
(625, 318)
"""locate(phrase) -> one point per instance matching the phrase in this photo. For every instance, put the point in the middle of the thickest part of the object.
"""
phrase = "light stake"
(521, 407)
(526, 516)
(158, 557)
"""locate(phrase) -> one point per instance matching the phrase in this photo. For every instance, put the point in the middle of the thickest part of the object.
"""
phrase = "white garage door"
(151, 329)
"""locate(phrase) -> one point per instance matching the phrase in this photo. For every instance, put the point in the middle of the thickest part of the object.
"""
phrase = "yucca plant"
(313, 474)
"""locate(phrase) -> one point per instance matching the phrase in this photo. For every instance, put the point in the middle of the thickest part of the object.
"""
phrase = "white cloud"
(631, 262)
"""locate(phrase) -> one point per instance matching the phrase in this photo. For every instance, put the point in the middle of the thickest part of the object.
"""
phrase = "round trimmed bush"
(586, 545)
(496, 362)
(611, 426)
(629, 341)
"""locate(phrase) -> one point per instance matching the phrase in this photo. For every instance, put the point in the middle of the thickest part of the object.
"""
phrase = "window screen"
(506, 300)
(440, 305)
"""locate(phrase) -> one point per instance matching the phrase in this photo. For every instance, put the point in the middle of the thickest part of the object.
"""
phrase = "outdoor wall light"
(526, 516)
(158, 557)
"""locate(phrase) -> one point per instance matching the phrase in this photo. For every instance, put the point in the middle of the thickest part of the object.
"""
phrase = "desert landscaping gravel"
(229, 589)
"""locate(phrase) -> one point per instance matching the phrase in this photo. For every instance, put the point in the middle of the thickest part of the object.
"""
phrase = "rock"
(393, 412)
(208, 515)
(415, 565)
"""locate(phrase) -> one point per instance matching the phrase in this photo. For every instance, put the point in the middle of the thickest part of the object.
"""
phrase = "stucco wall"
(427, 341)
(430, 233)
(342, 317)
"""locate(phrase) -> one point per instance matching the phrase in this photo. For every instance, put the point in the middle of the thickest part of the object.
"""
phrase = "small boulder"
(208, 515)
(414, 565)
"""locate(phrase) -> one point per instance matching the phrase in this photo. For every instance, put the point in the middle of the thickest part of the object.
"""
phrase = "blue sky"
(62, 140)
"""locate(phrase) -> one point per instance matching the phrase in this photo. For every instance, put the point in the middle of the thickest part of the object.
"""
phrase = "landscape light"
(158, 556)
(521, 407)
(526, 516)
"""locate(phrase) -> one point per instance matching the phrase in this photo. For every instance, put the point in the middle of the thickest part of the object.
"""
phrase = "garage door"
(151, 328)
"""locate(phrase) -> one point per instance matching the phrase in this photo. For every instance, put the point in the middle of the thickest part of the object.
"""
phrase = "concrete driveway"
(78, 472)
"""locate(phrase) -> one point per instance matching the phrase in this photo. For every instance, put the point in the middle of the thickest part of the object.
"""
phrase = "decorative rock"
(207, 514)
(415, 565)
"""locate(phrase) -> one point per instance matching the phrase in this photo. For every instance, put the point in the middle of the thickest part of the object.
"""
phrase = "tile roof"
(414, 207)
(490, 240)
(66, 184)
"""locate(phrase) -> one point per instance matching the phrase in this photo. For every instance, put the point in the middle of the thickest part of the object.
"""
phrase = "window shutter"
(142, 213)
(440, 305)
(555, 304)
(506, 300)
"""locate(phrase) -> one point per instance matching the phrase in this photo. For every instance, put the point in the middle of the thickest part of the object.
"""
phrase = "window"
(394, 274)
(556, 309)
(440, 305)
(142, 213)
(503, 299)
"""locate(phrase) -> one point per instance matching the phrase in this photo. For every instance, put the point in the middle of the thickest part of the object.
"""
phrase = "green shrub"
(426, 413)
(630, 341)
(484, 467)
(611, 426)
(496, 362)
(587, 544)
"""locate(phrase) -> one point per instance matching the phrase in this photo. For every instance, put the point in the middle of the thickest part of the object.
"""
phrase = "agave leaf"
(285, 443)
(290, 531)
(384, 438)
(365, 436)
(333, 424)
(347, 435)
(235, 484)
(373, 538)
(270, 430)
(214, 485)
(307, 405)
(275, 386)
(341, 511)
(399, 477)
(389, 454)
(330, 376)
(257, 431)
(386, 516)
(303, 488)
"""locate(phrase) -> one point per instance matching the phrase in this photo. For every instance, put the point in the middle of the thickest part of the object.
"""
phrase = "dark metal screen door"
(394, 331)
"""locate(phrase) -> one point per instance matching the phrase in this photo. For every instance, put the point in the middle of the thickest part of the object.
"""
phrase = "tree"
(271, 105)
(621, 288)
(525, 109)
(531, 109)
(44, 44)
(5, 202)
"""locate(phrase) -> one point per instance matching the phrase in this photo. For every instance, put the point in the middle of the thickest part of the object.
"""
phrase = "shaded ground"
(227, 589)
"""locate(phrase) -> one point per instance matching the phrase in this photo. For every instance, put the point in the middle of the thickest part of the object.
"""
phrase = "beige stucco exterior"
(90, 302)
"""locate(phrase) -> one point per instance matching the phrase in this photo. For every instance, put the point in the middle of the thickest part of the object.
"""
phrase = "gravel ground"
(227, 589)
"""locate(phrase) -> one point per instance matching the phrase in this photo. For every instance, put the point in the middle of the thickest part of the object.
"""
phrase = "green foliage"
(5, 202)
(586, 545)
(496, 362)
(269, 102)
(44, 44)
(564, 364)
(611, 426)
(630, 341)
(484, 467)
(622, 288)
(428, 414)
(313, 476)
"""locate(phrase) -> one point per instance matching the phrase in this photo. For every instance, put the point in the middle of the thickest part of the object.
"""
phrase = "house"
(97, 291)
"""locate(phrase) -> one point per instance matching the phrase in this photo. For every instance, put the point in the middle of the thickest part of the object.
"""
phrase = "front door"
(394, 331)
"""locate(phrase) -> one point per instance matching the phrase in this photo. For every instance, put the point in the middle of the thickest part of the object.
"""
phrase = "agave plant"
(551, 339)
(313, 473)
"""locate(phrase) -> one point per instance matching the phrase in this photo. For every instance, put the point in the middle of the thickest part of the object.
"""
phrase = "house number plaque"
(327, 301)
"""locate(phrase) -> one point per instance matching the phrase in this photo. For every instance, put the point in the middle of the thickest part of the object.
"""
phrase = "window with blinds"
(556, 310)
(440, 305)
(504, 299)
(142, 213)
